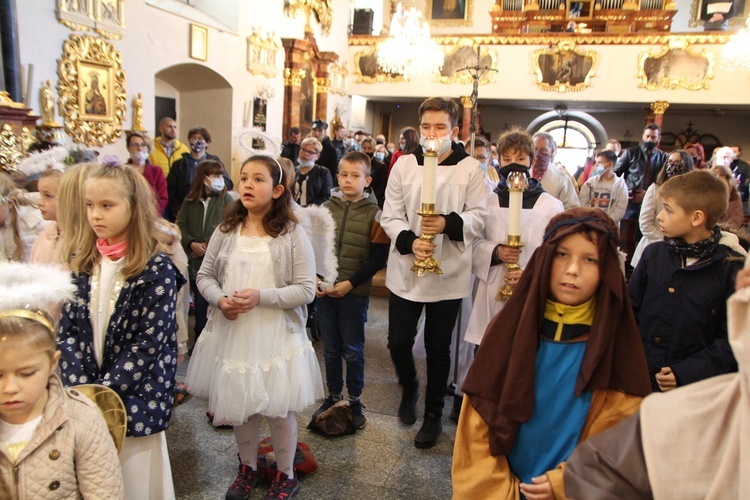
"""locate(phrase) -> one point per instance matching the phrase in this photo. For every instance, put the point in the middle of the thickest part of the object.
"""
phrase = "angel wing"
(320, 228)
(257, 142)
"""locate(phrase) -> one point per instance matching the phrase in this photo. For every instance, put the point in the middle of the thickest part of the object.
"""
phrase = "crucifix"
(477, 72)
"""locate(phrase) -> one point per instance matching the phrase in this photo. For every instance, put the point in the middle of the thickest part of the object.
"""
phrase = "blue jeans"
(342, 328)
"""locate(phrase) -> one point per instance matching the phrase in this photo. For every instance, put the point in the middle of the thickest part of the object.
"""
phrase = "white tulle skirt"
(254, 364)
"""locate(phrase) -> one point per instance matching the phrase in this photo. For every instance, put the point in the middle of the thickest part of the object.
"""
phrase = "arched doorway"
(577, 135)
(200, 96)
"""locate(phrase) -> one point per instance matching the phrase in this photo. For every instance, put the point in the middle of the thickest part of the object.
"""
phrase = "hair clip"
(111, 161)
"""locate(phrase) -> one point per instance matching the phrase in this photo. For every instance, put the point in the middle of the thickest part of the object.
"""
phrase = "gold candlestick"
(430, 264)
(506, 291)
(517, 183)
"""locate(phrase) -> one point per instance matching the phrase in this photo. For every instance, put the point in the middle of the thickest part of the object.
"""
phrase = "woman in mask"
(139, 147)
(199, 215)
(698, 154)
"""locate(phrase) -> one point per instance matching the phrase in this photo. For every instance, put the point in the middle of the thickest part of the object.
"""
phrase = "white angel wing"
(320, 228)
(257, 142)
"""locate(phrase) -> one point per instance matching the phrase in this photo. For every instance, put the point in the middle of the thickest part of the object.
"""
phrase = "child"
(678, 162)
(20, 221)
(680, 286)
(120, 330)
(361, 249)
(52, 440)
(561, 362)
(604, 189)
(254, 357)
(200, 214)
(461, 202)
(71, 210)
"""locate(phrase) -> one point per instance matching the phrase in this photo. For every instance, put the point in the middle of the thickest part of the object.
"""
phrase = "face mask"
(599, 170)
(721, 162)
(306, 163)
(380, 156)
(379, 141)
(484, 166)
(217, 184)
(391, 150)
(495, 163)
(696, 160)
(673, 170)
(370, 154)
(197, 146)
(541, 160)
(443, 146)
(348, 142)
(514, 167)
(649, 145)
(139, 157)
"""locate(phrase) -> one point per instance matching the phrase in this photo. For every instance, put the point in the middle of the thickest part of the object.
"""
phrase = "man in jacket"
(327, 156)
(167, 149)
(639, 166)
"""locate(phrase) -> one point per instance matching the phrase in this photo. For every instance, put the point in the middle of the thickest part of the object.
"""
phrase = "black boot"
(407, 410)
(428, 435)
(456, 411)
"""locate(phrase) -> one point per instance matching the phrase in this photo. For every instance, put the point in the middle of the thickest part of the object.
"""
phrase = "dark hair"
(652, 126)
(411, 136)
(294, 130)
(206, 168)
(515, 139)
(739, 148)
(440, 104)
(687, 163)
(279, 219)
(358, 157)
(611, 156)
(40, 146)
(202, 131)
(481, 142)
(698, 190)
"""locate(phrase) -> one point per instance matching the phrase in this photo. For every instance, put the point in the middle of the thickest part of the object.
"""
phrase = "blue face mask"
(484, 165)
(599, 170)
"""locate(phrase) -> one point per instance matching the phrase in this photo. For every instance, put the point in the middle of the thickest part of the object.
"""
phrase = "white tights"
(283, 439)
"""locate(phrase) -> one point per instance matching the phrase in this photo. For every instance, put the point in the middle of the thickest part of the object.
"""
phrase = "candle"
(429, 184)
(516, 202)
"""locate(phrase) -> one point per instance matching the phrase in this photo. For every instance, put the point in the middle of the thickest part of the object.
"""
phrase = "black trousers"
(440, 318)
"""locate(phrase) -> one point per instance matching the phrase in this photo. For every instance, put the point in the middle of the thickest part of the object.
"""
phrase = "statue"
(47, 105)
(138, 114)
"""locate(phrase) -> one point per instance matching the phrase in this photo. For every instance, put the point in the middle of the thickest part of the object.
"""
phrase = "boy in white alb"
(461, 199)
(604, 189)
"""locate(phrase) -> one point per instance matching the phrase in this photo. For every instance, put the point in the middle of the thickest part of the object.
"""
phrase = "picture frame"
(450, 13)
(741, 9)
(368, 70)
(465, 55)
(198, 42)
(675, 65)
(565, 67)
(91, 90)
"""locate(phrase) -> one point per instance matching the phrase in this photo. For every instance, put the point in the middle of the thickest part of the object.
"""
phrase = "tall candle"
(516, 202)
(429, 182)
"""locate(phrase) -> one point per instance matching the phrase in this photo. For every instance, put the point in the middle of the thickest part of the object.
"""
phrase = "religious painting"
(198, 42)
(564, 68)
(260, 106)
(449, 13)
(675, 66)
(91, 88)
(262, 51)
(465, 56)
(306, 95)
(741, 13)
(106, 17)
(369, 71)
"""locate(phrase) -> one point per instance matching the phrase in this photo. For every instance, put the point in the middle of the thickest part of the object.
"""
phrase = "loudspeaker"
(362, 24)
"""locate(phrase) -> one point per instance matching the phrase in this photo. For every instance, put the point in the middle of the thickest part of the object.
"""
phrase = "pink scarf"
(112, 252)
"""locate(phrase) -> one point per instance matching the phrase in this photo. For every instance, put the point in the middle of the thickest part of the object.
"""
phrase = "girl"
(255, 359)
(20, 222)
(139, 147)
(678, 162)
(562, 361)
(200, 214)
(55, 443)
(46, 249)
(734, 218)
(119, 331)
(71, 210)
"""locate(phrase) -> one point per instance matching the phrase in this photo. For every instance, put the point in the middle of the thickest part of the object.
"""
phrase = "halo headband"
(281, 170)
(36, 316)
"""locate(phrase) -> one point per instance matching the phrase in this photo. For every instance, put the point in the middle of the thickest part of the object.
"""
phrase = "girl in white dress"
(253, 357)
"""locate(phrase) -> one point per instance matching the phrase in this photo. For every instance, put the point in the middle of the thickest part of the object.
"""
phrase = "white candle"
(516, 202)
(429, 182)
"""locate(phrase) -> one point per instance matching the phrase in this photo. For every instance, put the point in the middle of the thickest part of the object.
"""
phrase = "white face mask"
(217, 184)
(139, 157)
(379, 156)
(306, 163)
(443, 145)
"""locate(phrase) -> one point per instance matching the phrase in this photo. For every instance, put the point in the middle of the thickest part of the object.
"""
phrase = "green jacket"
(358, 241)
(195, 228)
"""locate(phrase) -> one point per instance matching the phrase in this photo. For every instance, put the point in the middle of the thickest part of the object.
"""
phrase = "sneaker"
(282, 487)
(456, 411)
(327, 403)
(428, 435)
(407, 410)
(243, 484)
(358, 418)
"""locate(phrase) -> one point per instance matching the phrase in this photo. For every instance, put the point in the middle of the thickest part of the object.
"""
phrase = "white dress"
(254, 364)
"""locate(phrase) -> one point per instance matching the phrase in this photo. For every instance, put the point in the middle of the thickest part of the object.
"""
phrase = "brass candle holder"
(430, 264)
(506, 291)
(517, 182)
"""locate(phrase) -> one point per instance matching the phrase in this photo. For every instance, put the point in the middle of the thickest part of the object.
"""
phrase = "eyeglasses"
(139, 145)
(308, 152)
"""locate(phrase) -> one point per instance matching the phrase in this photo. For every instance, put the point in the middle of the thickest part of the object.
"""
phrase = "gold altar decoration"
(47, 105)
(369, 71)
(320, 9)
(262, 51)
(138, 114)
(565, 67)
(463, 55)
(339, 75)
(5, 100)
(10, 149)
(675, 65)
(91, 88)
(27, 139)
(105, 17)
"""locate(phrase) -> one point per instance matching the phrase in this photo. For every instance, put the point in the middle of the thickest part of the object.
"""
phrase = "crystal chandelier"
(409, 50)
(736, 53)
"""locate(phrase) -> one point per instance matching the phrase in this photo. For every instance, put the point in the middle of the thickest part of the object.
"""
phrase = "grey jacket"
(294, 272)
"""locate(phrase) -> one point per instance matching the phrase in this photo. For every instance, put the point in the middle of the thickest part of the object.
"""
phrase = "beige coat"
(71, 454)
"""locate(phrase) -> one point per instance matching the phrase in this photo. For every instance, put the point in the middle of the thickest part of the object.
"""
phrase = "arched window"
(575, 141)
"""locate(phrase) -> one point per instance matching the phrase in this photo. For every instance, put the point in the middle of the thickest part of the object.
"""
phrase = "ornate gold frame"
(82, 53)
(339, 75)
(738, 20)
(262, 53)
(198, 42)
(467, 21)
(570, 47)
(675, 83)
(379, 77)
(464, 77)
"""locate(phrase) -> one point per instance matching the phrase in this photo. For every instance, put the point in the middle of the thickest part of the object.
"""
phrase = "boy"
(604, 189)
(561, 362)
(461, 201)
(361, 249)
(680, 287)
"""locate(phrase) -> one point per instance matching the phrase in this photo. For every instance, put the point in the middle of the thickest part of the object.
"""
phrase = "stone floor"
(378, 462)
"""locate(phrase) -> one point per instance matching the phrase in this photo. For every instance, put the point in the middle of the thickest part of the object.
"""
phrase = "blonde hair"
(289, 172)
(71, 210)
(312, 141)
(20, 333)
(12, 198)
(141, 238)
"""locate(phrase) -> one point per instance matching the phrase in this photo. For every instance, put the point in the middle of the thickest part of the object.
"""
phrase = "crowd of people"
(595, 351)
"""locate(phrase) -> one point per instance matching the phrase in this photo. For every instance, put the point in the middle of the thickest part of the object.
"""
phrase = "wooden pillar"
(658, 108)
(322, 64)
(466, 119)
(294, 56)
